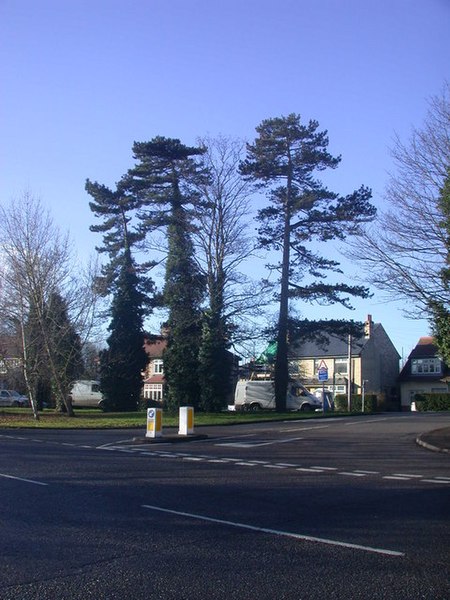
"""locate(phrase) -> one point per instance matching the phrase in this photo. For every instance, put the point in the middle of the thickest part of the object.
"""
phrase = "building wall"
(380, 363)
(377, 363)
(409, 388)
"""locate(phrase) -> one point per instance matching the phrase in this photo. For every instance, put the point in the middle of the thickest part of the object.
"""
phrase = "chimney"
(368, 327)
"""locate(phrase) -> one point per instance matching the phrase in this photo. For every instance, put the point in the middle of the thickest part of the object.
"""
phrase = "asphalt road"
(338, 509)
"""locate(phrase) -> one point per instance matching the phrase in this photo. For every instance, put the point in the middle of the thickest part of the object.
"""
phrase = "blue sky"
(81, 80)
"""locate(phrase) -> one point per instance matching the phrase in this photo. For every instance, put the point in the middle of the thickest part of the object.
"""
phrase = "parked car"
(12, 398)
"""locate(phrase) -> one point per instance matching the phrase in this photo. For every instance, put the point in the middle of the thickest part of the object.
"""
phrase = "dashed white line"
(444, 481)
(364, 472)
(351, 474)
(324, 468)
(309, 470)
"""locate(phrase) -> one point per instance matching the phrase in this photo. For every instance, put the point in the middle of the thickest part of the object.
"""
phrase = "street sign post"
(322, 375)
(322, 371)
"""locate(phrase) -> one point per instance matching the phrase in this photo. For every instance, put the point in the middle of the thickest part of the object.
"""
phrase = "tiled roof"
(154, 346)
(425, 348)
(337, 346)
(157, 378)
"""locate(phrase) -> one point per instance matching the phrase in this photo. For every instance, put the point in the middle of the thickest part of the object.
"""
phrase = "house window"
(153, 391)
(158, 366)
(426, 366)
(341, 366)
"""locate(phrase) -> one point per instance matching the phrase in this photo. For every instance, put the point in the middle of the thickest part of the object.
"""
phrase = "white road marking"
(309, 470)
(397, 477)
(367, 472)
(351, 473)
(22, 479)
(436, 481)
(306, 428)
(298, 536)
(359, 422)
(407, 475)
(324, 468)
(256, 444)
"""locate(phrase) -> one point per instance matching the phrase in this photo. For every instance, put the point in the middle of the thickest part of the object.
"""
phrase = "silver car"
(12, 398)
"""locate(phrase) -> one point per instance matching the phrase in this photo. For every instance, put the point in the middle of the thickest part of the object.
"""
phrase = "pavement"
(437, 440)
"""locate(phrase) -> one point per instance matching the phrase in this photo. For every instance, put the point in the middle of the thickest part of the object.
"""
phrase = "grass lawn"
(94, 418)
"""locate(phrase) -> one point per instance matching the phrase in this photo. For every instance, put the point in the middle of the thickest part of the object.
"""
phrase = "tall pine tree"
(284, 159)
(165, 179)
(122, 363)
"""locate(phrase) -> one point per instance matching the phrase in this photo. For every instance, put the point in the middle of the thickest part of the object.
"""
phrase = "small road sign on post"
(322, 372)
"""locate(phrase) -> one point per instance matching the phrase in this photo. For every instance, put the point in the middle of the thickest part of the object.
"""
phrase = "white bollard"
(186, 425)
(154, 422)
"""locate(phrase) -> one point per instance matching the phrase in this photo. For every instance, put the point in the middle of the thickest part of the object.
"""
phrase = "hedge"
(370, 403)
(432, 402)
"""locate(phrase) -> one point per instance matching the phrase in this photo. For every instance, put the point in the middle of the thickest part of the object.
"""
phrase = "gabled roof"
(425, 348)
(337, 346)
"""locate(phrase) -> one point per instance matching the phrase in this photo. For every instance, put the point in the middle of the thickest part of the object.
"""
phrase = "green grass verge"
(93, 418)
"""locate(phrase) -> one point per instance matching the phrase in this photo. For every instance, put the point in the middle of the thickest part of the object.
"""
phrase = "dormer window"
(426, 366)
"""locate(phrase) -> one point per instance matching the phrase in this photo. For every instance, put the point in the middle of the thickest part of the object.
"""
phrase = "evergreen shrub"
(432, 402)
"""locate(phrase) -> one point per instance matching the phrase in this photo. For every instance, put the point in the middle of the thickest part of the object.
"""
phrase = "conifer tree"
(122, 363)
(164, 181)
(284, 159)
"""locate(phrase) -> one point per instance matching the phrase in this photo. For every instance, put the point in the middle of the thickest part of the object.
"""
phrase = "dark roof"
(425, 348)
(337, 346)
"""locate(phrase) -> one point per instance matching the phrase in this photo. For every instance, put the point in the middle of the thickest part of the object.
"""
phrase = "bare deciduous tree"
(37, 265)
(404, 251)
(223, 242)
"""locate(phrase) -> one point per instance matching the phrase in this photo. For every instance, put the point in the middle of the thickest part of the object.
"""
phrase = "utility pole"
(350, 374)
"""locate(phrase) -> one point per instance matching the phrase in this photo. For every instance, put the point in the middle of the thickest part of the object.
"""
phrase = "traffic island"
(170, 438)
(437, 440)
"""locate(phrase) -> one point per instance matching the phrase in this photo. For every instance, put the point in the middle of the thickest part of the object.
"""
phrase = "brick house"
(153, 376)
(423, 372)
(153, 386)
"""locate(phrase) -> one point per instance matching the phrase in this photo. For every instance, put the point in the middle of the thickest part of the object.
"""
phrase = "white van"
(86, 393)
(257, 395)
